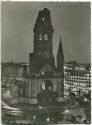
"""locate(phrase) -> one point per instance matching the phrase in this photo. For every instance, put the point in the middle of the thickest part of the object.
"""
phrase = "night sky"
(70, 20)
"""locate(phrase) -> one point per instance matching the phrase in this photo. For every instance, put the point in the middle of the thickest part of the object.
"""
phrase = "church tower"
(60, 59)
(43, 32)
(43, 47)
(44, 81)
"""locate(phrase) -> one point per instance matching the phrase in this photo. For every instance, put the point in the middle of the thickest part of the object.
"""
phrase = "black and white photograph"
(45, 63)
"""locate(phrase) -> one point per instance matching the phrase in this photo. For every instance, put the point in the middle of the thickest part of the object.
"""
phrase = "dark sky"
(70, 20)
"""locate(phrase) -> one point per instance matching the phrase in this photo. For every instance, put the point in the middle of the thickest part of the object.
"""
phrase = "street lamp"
(67, 110)
(48, 120)
(40, 107)
(34, 117)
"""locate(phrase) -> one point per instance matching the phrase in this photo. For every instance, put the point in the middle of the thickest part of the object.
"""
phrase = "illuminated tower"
(44, 79)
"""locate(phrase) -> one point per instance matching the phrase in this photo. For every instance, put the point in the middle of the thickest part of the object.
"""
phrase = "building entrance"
(47, 95)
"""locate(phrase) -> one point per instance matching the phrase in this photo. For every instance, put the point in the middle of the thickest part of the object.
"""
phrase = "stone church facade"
(44, 82)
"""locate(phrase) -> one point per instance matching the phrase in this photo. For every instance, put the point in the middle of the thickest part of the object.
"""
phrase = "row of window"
(76, 83)
(82, 77)
(74, 79)
(77, 75)
(78, 80)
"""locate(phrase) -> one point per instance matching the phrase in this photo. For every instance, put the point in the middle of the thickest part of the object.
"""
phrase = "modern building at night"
(77, 76)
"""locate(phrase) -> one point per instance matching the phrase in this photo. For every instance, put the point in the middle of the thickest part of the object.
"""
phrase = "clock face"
(40, 37)
(45, 37)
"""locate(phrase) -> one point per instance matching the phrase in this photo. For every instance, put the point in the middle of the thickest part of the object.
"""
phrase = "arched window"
(47, 85)
(45, 37)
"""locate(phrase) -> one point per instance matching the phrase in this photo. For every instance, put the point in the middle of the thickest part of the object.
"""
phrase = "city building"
(44, 81)
(77, 77)
(11, 77)
(11, 70)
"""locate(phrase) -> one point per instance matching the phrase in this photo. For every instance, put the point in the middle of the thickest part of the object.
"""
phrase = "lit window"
(42, 19)
(42, 73)
(40, 36)
(43, 85)
(49, 88)
(45, 37)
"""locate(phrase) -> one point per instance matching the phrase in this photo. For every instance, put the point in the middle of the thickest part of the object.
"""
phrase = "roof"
(60, 48)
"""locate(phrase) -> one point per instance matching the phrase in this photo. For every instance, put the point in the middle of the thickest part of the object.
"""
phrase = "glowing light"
(49, 88)
(40, 107)
(42, 73)
(66, 111)
(8, 92)
(42, 19)
(48, 119)
(34, 117)
(85, 99)
(43, 85)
